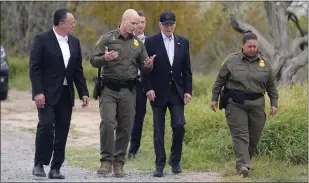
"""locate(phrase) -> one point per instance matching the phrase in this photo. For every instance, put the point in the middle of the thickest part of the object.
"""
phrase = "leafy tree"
(190, 21)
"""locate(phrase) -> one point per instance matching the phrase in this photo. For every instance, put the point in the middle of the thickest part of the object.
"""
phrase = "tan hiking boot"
(118, 170)
(244, 172)
(105, 168)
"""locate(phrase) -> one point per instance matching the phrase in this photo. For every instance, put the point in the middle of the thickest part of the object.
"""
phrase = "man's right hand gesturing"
(110, 55)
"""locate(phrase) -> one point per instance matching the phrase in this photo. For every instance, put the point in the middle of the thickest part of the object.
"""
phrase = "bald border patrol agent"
(121, 54)
(245, 77)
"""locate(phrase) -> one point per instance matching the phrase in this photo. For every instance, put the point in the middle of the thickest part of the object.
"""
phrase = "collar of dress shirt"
(60, 37)
(141, 37)
(165, 37)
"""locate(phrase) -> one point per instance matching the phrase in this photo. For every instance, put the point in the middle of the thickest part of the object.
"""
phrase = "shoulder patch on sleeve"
(224, 61)
(108, 34)
(98, 42)
(232, 56)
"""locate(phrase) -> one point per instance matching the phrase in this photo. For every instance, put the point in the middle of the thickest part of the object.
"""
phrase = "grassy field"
(283, 151)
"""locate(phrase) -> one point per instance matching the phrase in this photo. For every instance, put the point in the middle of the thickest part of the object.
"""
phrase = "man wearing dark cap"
(168, 85)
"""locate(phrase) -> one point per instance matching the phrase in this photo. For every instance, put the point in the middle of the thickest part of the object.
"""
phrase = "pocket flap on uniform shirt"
(239, 67)
(262, 69)
(115, 47)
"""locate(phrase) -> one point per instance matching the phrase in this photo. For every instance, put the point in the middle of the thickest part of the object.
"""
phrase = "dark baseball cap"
(167, 17)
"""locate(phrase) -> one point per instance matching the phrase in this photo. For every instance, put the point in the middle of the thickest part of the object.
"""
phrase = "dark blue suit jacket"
(47, 70)
(163, 73)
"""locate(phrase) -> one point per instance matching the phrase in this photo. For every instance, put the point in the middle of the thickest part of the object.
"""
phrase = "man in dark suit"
(141, 99)
(169, 85)
(55, 63)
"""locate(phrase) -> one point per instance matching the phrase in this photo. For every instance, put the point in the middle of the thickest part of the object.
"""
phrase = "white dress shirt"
(142, 38)
(169, 46)
(65, 49)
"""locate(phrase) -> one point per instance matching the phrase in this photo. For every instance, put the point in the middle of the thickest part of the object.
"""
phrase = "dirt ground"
(21, 112)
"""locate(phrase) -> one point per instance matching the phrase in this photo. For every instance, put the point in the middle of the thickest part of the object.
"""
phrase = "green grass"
(19, 74)
(263, 168)
(283, 151)
(207, 144)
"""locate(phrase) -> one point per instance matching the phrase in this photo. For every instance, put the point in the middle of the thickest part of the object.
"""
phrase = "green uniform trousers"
(246, 122)
(117, 110)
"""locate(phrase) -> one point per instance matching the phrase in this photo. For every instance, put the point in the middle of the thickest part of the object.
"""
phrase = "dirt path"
(22, 114)
(18, 122)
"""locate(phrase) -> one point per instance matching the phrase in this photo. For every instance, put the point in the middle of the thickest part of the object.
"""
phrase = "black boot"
(175, 167)
(38, 170)
(55, 174)
(158, 172)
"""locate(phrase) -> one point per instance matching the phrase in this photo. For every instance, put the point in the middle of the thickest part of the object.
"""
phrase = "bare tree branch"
(302, 44)
(267, 48)
(299, 61)
(297, 42)
(279, 59)
(281, 52)
(293, 66)
(293, 17)
(285, 4)
(282, 24)
(277, 23)
(20, 21)
(298, 5)
(271, 16)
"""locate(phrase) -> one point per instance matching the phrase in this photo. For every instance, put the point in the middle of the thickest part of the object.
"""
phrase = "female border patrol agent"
(246, 76)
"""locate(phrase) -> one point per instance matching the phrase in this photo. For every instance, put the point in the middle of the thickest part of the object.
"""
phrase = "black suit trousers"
(176, 108)
(140, 112)
(52, 131)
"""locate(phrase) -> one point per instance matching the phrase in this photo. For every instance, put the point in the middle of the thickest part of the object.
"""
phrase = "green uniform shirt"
(250, 75)
(132, 54)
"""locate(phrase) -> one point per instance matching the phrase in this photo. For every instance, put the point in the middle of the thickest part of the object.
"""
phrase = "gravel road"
(17, 152)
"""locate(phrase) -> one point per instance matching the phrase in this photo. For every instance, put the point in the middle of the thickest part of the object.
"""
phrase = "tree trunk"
(281, 53)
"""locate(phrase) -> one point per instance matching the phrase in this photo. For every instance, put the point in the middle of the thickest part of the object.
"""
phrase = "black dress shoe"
(38, 170)
(55, 174)
(158, 173)
(175, 167)
(132, 155)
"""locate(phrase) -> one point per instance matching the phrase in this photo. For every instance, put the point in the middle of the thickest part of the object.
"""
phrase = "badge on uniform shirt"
(261, 63)
(136, 42)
